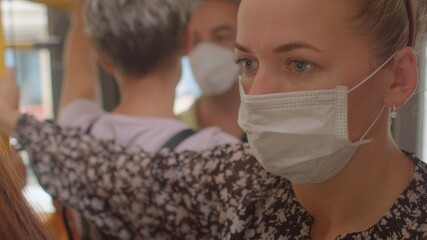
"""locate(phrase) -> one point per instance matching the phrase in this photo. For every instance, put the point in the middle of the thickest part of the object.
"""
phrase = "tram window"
(33, 76)
(187, 90)
(24, 23)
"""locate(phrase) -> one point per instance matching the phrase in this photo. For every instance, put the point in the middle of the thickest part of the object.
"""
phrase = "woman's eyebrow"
(295, 45)
(240, 47)
(283, 48)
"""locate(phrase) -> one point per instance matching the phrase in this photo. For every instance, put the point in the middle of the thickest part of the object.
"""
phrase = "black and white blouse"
(218, 194)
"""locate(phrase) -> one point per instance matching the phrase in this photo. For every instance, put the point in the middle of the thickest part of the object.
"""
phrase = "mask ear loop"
(373, 73)
(372, 124)
(412, 22)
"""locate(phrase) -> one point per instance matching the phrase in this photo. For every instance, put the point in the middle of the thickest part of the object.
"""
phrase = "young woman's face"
(299, 45)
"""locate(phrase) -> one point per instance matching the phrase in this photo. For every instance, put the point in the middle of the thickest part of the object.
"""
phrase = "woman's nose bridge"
(265, 81)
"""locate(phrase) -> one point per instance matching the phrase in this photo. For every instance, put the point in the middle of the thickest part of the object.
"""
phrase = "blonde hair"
(17, 220)
(387, 23)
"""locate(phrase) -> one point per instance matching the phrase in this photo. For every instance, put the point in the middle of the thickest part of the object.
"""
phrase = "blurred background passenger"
(142, 49)
(141, 44)
(213, 27)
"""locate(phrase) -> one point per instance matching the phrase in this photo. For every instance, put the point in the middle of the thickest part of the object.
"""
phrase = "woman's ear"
(404, 82)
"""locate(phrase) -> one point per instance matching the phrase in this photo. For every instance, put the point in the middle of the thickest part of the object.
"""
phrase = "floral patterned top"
(218, 194)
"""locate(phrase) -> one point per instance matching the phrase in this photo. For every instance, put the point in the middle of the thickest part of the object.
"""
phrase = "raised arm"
(168, 195)
(80, 79)
(187, 195)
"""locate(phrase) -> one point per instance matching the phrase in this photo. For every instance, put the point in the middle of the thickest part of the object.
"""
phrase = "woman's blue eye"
(300, 67)
(247, 64)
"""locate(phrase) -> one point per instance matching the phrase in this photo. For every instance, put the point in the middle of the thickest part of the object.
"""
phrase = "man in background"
(213, 28)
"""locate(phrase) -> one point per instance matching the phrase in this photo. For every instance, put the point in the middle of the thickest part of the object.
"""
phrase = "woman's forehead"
(265, 22)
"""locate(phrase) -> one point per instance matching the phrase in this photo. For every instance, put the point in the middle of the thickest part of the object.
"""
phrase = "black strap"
(89, 128)
(178, 138)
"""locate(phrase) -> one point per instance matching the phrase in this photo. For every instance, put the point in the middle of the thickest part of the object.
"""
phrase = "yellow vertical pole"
(3, 137)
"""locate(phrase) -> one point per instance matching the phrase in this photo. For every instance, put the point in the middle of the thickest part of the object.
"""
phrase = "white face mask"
(213, 68)
(302, 136)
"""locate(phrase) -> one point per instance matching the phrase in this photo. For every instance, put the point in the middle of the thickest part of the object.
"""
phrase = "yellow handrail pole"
(3, 137)
(19, 45)
(60, 4)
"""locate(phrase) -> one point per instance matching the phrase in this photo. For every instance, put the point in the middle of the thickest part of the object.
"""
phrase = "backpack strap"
(90, 126)
(178, 138)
